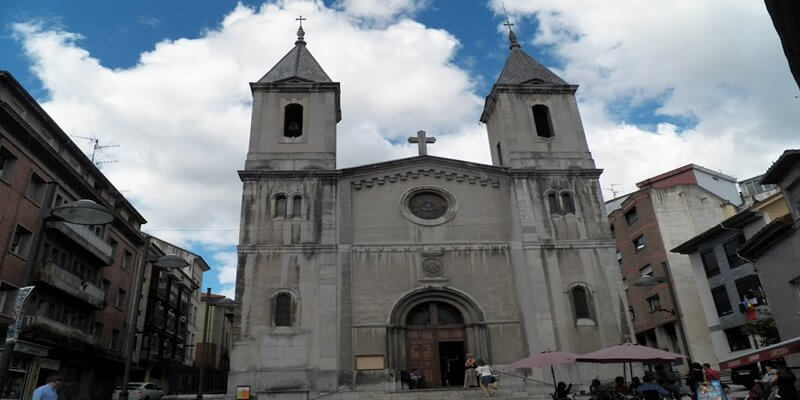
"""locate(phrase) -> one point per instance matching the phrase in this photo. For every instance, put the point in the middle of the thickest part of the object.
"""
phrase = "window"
(120, 304)
(35, 190)
(293, 121)
(721, 300)
(730, 251)
(710, 263)
(568, 203)
(631, 216)
(106, 289)
(541, 117)
(114, 339)
(280, 206)
(633, 315)
(654, 303)
(580, 301)
(613, 231)
(552, 201)
(647, 270)
(21, 242)
(639, 243)
(297, 206)
(127, 260)
(447, 314)
(737, 339)
(749, 288)
(499, 155)
(283, 310)
(113, 243)
(7, 165)
(619, 257)
(97, 330)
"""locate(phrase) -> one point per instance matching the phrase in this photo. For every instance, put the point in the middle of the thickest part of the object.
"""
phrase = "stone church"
(348, 278)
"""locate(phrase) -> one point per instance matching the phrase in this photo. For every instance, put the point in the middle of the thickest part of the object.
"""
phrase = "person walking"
(695, 379)
(486, 378)
(48, 390)
(709, 373)
(470, 378)
(785, 384)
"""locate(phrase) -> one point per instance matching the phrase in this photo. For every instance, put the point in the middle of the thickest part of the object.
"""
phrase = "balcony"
(59, 278)
(40, 325)
(85, 238)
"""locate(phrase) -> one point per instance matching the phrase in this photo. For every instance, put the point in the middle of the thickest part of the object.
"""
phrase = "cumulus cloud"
(716, 63)
(381, 9)
(181, 115)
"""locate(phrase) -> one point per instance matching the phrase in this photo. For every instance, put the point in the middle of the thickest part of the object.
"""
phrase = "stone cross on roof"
(422, 142)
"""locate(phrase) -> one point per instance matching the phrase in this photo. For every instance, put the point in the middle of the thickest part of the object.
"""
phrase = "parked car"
(140, 391)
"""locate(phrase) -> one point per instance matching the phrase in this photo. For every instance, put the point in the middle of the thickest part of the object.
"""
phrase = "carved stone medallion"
(432, 267)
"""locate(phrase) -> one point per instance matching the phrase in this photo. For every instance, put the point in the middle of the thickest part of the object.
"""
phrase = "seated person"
(415, 379)
(635, 382)
(562, 390)
(598, 391)
(650, 386)
(620, 387)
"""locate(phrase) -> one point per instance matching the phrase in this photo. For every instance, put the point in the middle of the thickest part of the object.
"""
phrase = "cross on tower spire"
(422, 142)
(512, 37)
(300, 32)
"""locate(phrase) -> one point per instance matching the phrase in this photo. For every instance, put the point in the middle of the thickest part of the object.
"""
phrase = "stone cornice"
(570, 244)
(248, 175)
(420, 248)
(472, 179)
(531, 172)
(300, 248)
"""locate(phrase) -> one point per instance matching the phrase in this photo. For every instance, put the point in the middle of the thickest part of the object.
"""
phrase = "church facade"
(349, 278)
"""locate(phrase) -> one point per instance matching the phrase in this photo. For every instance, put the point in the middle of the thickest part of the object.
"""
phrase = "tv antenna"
(612, 190)
(96, 146)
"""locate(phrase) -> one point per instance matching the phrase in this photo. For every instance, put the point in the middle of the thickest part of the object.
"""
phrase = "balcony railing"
(84, 237)
(61, 279)
(57, 329)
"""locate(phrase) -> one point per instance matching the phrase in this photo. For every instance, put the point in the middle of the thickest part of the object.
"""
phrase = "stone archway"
(453, 320)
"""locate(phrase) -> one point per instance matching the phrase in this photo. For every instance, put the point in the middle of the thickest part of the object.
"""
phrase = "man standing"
(710, 373)
(48, 390)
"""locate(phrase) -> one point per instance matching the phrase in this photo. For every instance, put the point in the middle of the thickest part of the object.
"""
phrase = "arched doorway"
(431, 330)
(435, 343)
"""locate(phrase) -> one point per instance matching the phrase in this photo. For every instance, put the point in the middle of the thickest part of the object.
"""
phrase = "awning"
(781, 349)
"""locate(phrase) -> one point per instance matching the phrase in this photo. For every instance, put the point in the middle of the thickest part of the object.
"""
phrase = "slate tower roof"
(520, 68)
(297, 63)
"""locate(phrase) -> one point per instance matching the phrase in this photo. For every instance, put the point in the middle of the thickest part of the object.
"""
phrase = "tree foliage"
(763, 328)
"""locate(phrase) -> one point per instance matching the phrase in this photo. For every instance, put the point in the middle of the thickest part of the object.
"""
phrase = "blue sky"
(661, 86)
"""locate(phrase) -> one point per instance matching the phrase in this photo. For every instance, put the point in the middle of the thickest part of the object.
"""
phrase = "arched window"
(568, 202)
(297, 206)
(580, 301)
(293, 120)
(283, 309)
(434, 313)
(552, 201)
(280, 206)
(541, 117)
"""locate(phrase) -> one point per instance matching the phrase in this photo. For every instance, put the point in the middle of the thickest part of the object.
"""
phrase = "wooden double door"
(438, 354)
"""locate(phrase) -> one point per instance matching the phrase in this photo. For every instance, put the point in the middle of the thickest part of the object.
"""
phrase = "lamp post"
(676, 311)
(81, 212)
(169, 261)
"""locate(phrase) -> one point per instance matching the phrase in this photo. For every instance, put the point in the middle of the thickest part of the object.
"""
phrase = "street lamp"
(169, 261)
(81, 212)
(649, 280)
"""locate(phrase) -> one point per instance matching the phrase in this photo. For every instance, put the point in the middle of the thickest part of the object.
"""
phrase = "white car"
(140, 391)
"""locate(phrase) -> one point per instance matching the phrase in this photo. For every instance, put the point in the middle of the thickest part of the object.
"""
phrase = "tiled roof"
(297, 63)
(521, 68)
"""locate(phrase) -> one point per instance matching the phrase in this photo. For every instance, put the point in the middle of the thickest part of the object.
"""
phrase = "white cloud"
(380, 9)
(717, 62)
(181, 115)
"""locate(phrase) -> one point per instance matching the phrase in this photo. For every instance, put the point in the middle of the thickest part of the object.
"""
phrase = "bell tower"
(532, 117)
(295, 112)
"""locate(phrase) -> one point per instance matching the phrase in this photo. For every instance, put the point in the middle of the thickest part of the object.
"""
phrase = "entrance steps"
(439, 394)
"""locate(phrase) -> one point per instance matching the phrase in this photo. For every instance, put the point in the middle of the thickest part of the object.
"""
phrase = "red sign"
(768, 353)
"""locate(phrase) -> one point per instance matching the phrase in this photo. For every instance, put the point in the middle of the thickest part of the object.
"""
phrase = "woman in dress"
(470, 379)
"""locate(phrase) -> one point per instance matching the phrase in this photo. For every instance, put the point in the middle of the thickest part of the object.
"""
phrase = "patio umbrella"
(546, 359)
(628, 353)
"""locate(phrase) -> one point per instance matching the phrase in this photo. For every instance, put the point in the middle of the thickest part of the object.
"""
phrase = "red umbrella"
(628, 353)
(546, 359)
